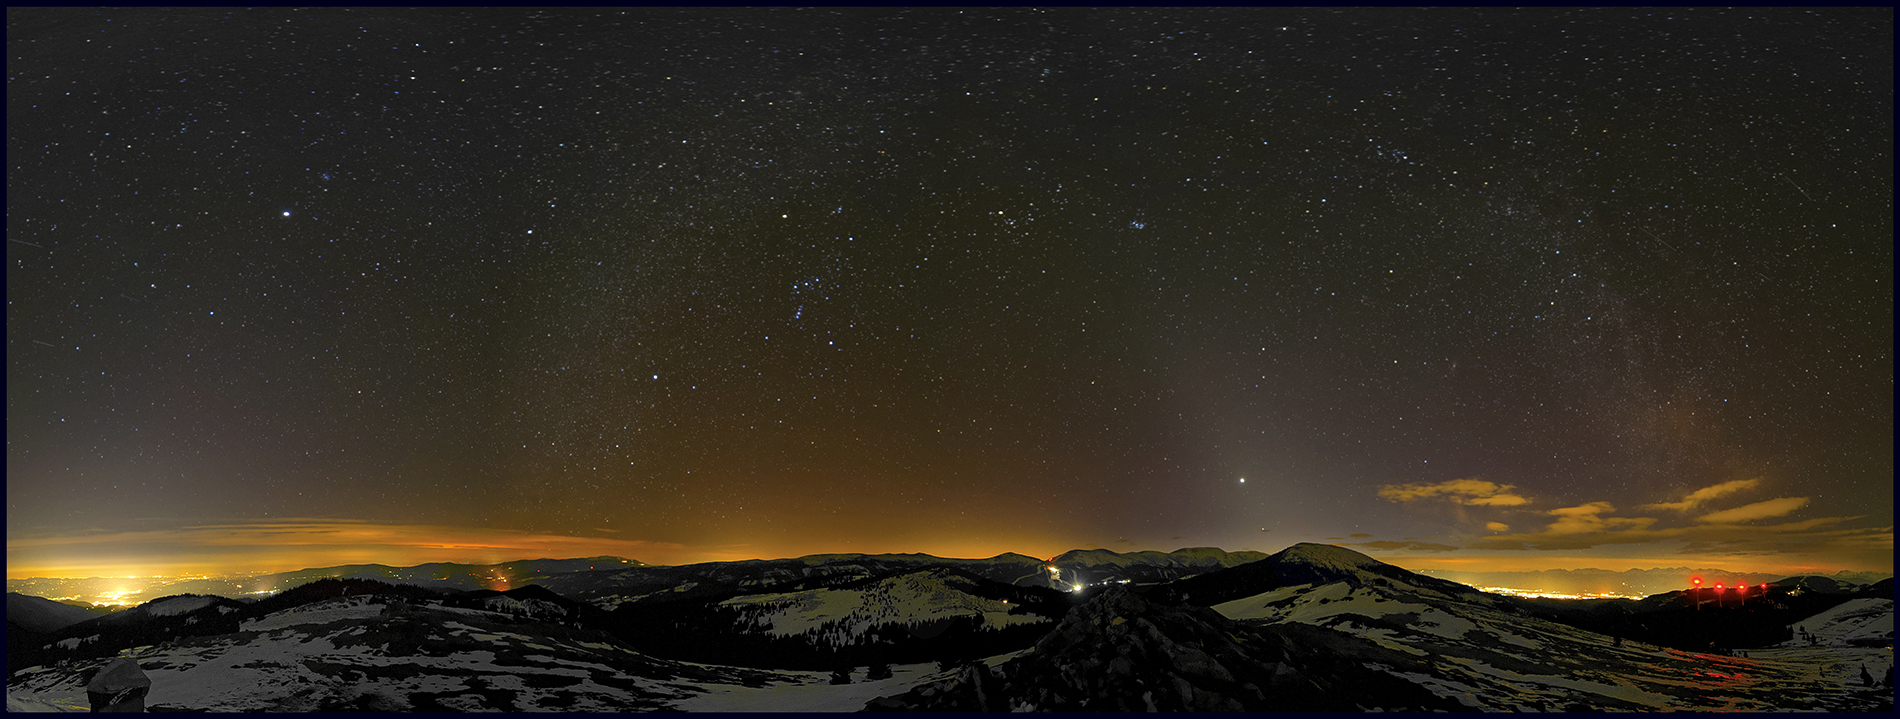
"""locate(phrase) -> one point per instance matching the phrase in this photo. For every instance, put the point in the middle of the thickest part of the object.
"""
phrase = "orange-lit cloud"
(1718, 534)
(1758, 510)
(1725, 537)
(1471, 490)
(1705, 494)
(1587, 518)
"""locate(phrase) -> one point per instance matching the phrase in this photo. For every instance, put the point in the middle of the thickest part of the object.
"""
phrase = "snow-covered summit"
(174, 606)
(1326, 556)
(318, 613)
(1316, 565)
(841, 616)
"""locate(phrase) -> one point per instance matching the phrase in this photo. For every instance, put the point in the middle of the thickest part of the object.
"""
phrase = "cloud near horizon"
(1418, 546)
(1705, 494)
(1758, 510)
(1591, 525)
(1470, 490)
(1596, 525)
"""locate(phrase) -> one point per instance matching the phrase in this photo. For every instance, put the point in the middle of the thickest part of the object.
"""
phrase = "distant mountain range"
(1085, 567)
(618, 579)
(1313, 627)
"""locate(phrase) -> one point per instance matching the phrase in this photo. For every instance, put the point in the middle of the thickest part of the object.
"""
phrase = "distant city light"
(1539, 594)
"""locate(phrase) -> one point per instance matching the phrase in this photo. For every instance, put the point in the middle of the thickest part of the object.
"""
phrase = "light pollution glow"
(286, 545)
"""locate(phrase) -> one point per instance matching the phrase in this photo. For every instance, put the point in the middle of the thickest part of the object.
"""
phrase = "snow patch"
(335, 610)
(1861, 619)
(1255, 607)
(530, 607)
(839, 616)
(174, 606)
(1326, 556)
(1445, 625)
(74, 642)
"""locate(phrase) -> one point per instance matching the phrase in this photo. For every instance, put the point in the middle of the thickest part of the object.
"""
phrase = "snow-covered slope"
(843, 616)
(1857, 622)
(1325, 628)
(1491, 657)
(357, 653)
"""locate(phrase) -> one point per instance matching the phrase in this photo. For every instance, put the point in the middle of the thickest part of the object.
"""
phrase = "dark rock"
(120, 686)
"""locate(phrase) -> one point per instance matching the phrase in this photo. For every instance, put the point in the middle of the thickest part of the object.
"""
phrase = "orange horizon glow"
(290, 545)
(266, 547)
(1518, 562)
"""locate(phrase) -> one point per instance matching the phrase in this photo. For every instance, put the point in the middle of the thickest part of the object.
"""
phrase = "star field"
(764, 282)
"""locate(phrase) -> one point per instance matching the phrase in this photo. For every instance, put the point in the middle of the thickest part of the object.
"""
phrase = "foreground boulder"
(120, 686)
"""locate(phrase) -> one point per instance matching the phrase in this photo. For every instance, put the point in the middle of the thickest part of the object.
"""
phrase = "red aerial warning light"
(1697, 580)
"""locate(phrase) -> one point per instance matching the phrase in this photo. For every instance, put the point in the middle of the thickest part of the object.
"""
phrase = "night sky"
(1479, 289)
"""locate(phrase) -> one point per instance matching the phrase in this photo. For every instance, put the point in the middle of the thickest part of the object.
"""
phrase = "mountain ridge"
(1369, 624)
